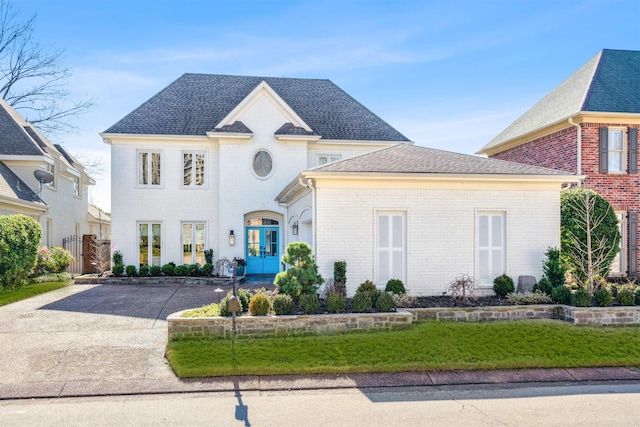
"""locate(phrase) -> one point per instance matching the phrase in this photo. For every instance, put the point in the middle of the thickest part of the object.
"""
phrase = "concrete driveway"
(92, 339)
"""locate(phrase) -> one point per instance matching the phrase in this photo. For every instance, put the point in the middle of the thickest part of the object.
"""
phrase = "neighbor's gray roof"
(195, 103)
(14, 140)
(401, 158)
(608, 82)
(14, 188)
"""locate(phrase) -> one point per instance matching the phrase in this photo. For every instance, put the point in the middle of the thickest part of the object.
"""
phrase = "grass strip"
(30, 290)
(431, 345)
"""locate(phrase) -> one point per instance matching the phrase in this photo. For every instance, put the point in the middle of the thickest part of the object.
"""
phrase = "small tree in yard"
(302, 277)
(589, 235)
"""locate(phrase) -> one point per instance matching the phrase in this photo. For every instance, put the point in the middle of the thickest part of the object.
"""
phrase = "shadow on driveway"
(147, 301)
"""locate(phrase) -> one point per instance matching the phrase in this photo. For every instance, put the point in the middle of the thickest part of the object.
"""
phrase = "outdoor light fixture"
(232, 238)
(294, 228)
(218, 291)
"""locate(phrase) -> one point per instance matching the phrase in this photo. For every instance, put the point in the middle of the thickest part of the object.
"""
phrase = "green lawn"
(30, 290)
(429, 345)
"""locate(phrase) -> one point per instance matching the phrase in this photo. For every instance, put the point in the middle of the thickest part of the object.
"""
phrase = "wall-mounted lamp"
(294, 228)
(232, 238)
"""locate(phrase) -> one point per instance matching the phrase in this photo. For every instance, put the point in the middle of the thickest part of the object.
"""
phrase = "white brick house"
(244, 165)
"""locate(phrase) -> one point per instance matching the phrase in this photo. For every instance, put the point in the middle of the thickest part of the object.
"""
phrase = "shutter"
(633, 244)
(633, 150)
(604, 150)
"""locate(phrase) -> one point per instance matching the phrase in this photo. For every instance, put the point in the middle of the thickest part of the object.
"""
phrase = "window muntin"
(328, 158)
(391, 247)
(149, 164)
(615, 150)
(193, 237)
(193, 169)
(490, 246)
(150, 243)
(262, 163)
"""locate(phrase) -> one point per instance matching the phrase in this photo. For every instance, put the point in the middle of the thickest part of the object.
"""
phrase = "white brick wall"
(440, 228)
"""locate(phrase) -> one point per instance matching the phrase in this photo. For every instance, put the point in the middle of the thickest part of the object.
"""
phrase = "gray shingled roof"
(608, 82)
(14, 188)
(401, 158)
(196, 103)
(235, 127)
(13, 138)
(290, 129)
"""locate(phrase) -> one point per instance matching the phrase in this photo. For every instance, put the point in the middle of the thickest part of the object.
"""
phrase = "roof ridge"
(596, 72)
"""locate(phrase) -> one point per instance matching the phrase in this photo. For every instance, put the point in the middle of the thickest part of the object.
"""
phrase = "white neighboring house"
(245, 165)
(61, 207)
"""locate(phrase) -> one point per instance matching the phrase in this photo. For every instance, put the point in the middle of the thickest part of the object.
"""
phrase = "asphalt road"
(602, 404)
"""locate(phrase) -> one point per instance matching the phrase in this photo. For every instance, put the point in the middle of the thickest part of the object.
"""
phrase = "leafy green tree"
(552, 267)
(19, 239)
(589, 235)
(302, 277)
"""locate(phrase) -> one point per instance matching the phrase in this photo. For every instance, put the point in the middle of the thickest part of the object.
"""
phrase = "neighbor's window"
(76, 186)
(328, 158)
(193, 169)
(51, 168)
(490, 245)
(193, 243)
(150, 241)
(149, 168)
(616, 151)
(391, 246)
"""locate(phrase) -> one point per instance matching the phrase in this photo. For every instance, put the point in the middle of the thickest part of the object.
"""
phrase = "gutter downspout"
(579, 148)
(310, 183)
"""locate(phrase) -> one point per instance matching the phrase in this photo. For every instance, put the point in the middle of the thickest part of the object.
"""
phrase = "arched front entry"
(262, 242)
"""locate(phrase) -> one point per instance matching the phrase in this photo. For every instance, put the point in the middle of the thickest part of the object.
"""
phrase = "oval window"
(262, 163)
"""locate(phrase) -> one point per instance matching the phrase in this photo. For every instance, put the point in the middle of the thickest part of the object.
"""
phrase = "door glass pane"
(483, 265)
(496, 231)
(186, 168)
(383, 266)
(199, 242)
(253, 242)
(496, 263)
(187, 243)
(398, 240)
(396, 263)
(143, 166)
(143, 231)
(383, 231)
(483, 231)
(155, 230)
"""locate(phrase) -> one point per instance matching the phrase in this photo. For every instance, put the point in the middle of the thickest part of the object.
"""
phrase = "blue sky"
(447, 74)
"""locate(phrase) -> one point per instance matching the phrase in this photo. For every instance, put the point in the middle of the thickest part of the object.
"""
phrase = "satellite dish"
(43, 176)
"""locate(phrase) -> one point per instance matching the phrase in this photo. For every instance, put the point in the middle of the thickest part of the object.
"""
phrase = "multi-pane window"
(150, 243)
(76, 186)
(193, 169)
(328, 158)
(193, 243)
(616, 151)
(149, 168)
(391, 246)
(51, 168)
(490, 246)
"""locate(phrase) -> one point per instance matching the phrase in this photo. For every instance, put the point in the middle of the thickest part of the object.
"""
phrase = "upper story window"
(149, 164)
(328, 158)
(76, 186)
(193, 169)
(618, 150)
(51, 168)
(262, 163)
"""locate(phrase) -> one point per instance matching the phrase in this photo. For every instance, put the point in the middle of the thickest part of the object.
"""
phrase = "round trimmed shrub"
(118, 270)
(361, 302)
(395, 286)
(155, 270)
(561, 295)
(244, 295)
(309, 303)
(366, 286)
(207, 269)
(259, 305)
(194, 270)
(544, 285)
(131, 270)
(503, 285)
(625, 297)
(181, 270)
(168, 269)
(603, 297)
(283, 304)
(385, 302)
(336, 303)
(143, 271)
(582, 298)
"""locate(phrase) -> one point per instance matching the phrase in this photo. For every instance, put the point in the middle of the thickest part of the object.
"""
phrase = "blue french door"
(262, 250)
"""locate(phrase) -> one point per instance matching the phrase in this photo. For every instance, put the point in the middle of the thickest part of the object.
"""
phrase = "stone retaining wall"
(250, 326)
(482, 314)
(600, 316)
(180, 280)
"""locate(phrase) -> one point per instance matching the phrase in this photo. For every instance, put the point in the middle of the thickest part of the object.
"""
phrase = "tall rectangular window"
(391, 246)
(76, 186)
(193, 236)
(616, 151)
(51, 168)
(149, 163)
(619, 263)
(193, 169)
(150, 241)
(490, 245)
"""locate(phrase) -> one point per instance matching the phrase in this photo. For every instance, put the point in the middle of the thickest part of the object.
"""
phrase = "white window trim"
(192, 223)
(376, 246)
(625, 150)
(77, 180)
(318, 155)
(273, 164)
(478, 213)
(162, 168)
(193, 185)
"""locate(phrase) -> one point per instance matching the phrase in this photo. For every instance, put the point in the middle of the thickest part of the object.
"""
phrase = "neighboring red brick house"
(588, 126)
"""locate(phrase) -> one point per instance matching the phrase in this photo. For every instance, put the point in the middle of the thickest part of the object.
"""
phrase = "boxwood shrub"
(336, 303)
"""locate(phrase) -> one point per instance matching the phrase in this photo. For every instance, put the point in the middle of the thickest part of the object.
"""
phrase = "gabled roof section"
(609, 82)
(235, 127)
(13, 187)
(195, 103)
(291, 129)
(14, 140)
(412, 159)
(68, 157)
